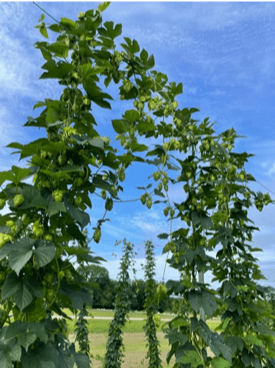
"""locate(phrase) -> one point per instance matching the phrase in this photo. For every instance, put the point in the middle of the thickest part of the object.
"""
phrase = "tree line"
(104, 291)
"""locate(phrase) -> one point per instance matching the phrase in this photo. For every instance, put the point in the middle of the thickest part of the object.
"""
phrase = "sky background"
(223, 53)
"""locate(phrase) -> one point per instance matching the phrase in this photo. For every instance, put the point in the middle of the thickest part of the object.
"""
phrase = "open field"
(133, 337)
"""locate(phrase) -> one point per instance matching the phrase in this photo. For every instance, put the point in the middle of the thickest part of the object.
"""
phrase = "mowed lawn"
(133, 338)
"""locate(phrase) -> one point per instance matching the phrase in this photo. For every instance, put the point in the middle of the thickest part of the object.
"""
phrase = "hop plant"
(18, 200)
(109, 204)
(2, 203)
(78, 201)
(97, 235)
(121, 174)
(4, 238)
(57, 195)
(149, 202)
(156, 175)
(143, 198)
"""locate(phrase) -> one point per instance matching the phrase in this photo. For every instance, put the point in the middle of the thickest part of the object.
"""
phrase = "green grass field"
(133, 337)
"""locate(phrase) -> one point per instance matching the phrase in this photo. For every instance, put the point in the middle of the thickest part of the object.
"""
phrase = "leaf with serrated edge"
(220, 363)
(10, 285)
(18, 259)
(22, 296)
(44, 254)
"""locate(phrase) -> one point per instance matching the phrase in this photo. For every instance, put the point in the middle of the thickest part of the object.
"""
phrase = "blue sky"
(223, 53)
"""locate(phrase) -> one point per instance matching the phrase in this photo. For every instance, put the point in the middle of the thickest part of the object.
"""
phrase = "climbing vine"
(153, 353)
(47, 204)
(115, 346)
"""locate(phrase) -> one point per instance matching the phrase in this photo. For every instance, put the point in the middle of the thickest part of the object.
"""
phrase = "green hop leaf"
(18, 200)
(57, 195)
(2, 203)
(103, 194)
(97, 235)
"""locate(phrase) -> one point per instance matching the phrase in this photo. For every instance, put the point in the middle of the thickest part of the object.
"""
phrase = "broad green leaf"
(163, 236)
(220, 363)
(145, 127)
(55, 207)
(43, 356)
(176, 336)
(250, 339)
(135, 147)
(32, 197)
(66, 360)
(96, 142)
(52, 115)
(79, 216)
(263, 329)
(60, 70)
(44, 254)
(204, 300)
(20, 330)
(10, 286)
(19, 258)
(191, 357)
(5, 361)
(34, 286)
(202, 219)
(69, 23)
(6, 175)
(235, 343)
(39, 330)
(147, 62)
(109, 32)
(19, 174)
(159, 193)
(76, 296)
(15, 352)
(22, 296)
(131, 47)
(43, 31)
(131, 115)
(59, 49)
(103, 6)
(218, 347)
(121, 126)
(82, 360)
(96, 95)
(6, 250)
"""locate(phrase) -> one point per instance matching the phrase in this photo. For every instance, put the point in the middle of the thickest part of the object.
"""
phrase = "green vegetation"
(132, 326)
(42, 229)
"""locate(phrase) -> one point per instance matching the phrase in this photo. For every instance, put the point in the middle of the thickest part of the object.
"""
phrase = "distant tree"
(103, 292)
(138, 295)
